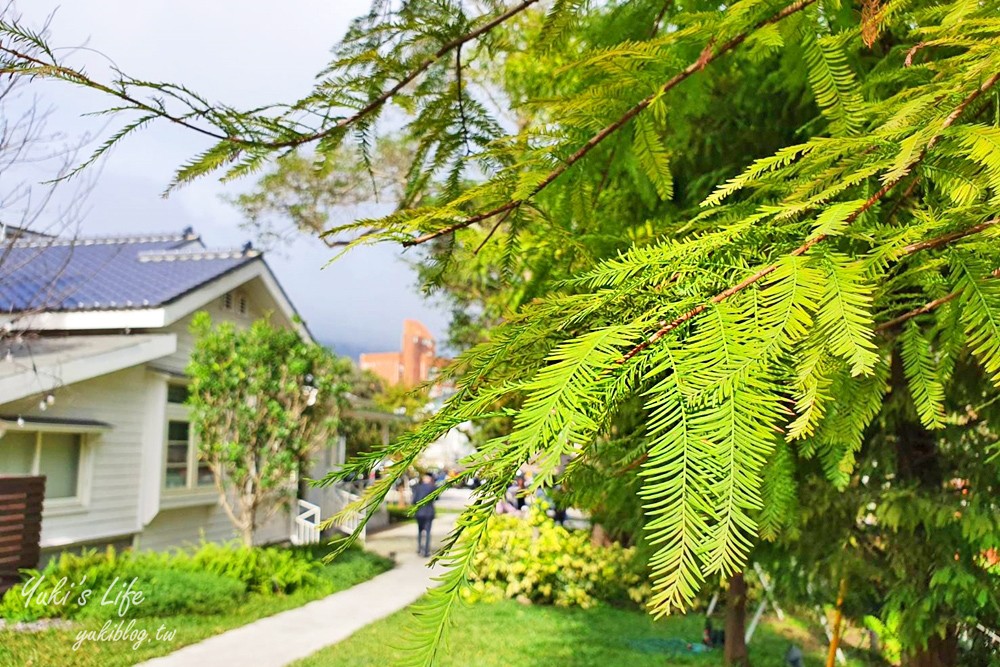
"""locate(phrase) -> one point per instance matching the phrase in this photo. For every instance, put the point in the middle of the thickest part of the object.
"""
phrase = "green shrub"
(350, 567)
(16, 607)
(91, 564)
(545, 563)
(266, 570)
(58, 590)
(199, 581)
(171, 592)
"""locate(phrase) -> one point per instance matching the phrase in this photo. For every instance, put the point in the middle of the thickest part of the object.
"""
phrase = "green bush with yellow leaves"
(534, 560)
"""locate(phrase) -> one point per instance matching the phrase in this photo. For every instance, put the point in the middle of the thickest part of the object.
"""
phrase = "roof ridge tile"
(186, 255)
(105, 240)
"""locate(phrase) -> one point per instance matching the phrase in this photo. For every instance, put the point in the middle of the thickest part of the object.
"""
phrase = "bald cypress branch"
(667, 327)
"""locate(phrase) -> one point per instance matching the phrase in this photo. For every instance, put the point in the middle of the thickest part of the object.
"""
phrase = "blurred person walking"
(425, 513)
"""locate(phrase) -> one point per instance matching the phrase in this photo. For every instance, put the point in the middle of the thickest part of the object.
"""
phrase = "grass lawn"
(54, 647)
(510, 634)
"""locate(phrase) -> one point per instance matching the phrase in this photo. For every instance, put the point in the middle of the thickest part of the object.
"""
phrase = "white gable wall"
(261, 305)
(186, 525)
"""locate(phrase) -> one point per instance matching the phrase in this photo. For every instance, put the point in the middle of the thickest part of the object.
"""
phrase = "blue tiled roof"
(108, 273)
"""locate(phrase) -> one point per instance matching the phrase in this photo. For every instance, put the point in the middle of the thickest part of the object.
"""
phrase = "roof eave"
(45, 378)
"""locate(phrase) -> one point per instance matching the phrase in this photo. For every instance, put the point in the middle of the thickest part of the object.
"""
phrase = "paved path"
(281, 639)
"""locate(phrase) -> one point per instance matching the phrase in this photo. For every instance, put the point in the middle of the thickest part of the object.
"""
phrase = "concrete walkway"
(281, 639)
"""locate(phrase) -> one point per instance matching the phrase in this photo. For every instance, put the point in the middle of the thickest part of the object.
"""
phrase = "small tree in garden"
(262, 402)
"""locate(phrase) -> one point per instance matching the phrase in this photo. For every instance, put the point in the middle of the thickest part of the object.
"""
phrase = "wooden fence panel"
(20, 526)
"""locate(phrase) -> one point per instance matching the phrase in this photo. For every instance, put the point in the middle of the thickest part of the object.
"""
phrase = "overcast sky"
(245, 53)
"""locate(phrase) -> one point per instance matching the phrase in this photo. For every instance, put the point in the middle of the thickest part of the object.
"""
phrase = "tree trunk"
(302, 488)
(939, 652)
(599, 536)
(735, 652)
(838, 620)
(249, 524)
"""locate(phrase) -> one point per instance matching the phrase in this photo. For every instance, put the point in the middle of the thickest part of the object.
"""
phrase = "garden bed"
(185, 599)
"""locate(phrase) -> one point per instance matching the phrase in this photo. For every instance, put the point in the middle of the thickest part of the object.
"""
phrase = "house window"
(244, 304)
(178, 454)
(177, 394)
(55, 455)
(227, 301)
(183, 469)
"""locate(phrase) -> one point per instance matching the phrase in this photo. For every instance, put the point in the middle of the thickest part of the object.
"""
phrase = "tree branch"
(659, 18)
(924, 309)
(493, 231)
(902, 199)
(58, 71)
(667, 327)
(948, 238)
(708, 55)
(461, 101)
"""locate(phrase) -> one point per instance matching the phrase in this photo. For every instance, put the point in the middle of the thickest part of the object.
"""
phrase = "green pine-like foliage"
(756, 327)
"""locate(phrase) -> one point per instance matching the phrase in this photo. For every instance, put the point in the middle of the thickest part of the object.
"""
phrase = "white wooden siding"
(190, 525)
(185, 526)
(113, 458)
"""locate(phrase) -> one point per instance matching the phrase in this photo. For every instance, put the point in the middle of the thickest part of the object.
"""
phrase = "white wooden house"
(92, 382)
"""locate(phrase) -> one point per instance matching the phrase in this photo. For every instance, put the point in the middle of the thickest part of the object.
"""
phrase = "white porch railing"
(306, 527)
(349, 523)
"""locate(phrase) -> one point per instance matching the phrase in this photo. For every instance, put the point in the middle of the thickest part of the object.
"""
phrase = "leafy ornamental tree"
(262, 402)
(756, 329)
(823, 546)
